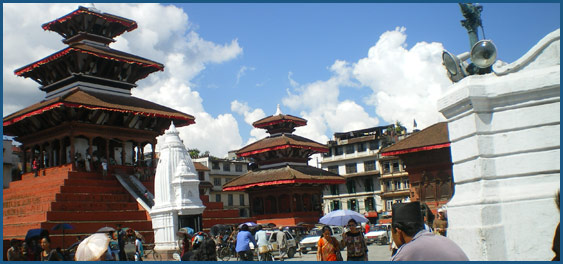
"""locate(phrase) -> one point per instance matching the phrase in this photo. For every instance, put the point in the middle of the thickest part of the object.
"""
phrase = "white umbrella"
(341, 217)
(92, 247)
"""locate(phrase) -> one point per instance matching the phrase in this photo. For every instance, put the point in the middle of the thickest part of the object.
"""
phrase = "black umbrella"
(63, 226)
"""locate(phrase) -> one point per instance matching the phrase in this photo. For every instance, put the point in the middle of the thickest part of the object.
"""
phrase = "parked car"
(291, 244)
(309, 243)
(380, 234)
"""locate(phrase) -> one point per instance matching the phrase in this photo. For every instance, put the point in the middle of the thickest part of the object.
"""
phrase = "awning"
(370, 214)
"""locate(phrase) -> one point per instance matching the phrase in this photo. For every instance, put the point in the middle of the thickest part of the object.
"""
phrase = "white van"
(309, 243)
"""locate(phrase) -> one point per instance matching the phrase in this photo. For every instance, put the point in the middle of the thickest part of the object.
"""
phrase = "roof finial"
(278, 111)
(92, 7)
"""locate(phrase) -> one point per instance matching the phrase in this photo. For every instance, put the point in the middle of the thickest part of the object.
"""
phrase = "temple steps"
(83, 199)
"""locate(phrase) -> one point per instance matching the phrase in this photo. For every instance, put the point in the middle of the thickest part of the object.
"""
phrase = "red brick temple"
(428, 161)
(88, 115)
(282, 188)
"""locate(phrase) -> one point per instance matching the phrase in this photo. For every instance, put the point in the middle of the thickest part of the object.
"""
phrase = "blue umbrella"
(341, 217)
(36, 233)
(63, 226)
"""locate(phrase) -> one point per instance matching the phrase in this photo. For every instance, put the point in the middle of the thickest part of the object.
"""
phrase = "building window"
(226, 167)
(335, 205)
(217, 198)
(333, 169)
(370, 204)
(374, 145)
(230, 200)
(228, 180)
(349, 149)
(386, 167)
(353, 205)
(388, 186)
(215, 165)
(406, 184)
(361, 147)
(369, 165)
(351, 185)
(328, 154)
(396, 166)
(217, 181)
(398, 185)
(241, 199)
(238, 167)
(389, 205)
(338, 151)
(201, 175)
(369, 185)
(334, 190)
(351, 168)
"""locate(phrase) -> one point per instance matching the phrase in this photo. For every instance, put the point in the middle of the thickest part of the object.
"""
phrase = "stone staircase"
(216, 214)
(82, 199)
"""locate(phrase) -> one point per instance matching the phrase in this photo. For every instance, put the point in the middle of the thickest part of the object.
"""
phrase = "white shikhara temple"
(177, 203)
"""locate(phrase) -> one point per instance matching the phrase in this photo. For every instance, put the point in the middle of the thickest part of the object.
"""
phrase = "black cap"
(407, 212)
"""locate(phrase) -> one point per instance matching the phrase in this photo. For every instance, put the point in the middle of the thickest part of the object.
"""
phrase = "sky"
(341, 66)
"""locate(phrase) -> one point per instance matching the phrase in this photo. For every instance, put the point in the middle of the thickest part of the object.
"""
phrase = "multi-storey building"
(354, 155)
(372, 182)
(394, 182)
(222, 171)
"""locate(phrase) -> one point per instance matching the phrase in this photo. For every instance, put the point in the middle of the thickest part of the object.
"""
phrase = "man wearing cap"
(417, 244)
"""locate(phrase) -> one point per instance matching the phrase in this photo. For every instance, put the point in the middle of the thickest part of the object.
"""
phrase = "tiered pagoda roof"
(283, 175)
(89, 82)
(53, 112)
(282, 157)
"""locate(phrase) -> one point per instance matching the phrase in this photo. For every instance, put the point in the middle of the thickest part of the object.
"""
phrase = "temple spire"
(278, 111)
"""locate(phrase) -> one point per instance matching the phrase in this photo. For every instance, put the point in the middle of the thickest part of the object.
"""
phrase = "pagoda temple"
(88, 116)
(282, 188)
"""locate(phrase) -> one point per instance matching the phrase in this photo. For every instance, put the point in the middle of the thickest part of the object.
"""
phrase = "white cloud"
(319, 103)
(406, 84)
(242, 71)
(164, 34)
(250, 116)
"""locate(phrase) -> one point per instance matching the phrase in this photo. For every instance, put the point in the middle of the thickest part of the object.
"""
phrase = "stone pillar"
(504, 132)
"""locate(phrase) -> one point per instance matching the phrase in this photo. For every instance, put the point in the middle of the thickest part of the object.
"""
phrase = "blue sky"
(341, 66)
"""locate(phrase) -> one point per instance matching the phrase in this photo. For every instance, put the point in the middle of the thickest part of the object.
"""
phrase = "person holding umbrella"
(328, 248)
(49, 254)
(354, 241)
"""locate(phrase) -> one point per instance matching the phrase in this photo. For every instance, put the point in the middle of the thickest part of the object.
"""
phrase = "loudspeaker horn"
(455, 65)
(483, 53)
